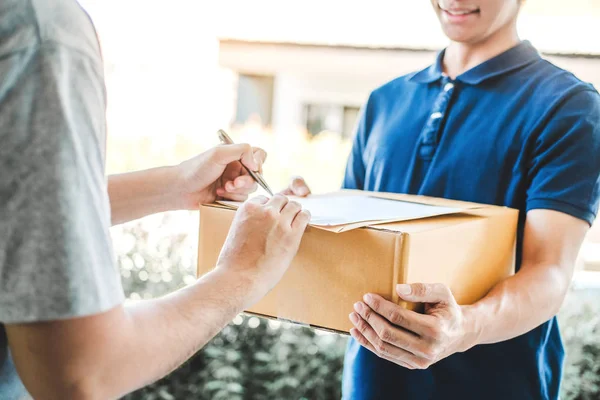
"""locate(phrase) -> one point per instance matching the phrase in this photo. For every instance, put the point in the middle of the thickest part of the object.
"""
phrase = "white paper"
(335, 210)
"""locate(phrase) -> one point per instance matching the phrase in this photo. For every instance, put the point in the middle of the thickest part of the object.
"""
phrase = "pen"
(225, 139)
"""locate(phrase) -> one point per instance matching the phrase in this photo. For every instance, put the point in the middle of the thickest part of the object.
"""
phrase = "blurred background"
(289, 77)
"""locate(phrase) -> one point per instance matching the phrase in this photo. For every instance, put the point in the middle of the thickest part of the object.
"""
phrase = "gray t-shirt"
(56, 257)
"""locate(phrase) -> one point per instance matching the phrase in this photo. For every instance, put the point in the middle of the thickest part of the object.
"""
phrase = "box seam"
(397, 268)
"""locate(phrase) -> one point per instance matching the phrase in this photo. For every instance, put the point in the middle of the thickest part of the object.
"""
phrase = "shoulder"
(555, 88)
(391, 94)
(391, 89)
(26, 25)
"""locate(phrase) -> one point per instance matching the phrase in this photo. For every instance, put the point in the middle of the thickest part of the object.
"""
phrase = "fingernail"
(358, 307)
(403, 289)
(353, 317)
(368, 299)
(303, 191)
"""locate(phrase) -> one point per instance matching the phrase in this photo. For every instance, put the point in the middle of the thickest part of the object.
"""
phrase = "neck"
(461, 57)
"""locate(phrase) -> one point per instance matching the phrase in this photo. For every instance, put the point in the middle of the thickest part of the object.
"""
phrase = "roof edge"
(339, 46)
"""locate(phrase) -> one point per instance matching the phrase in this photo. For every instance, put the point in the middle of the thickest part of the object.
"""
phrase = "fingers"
(228, 153)
(389, 333)
(301, 221)
(238, 184)
(297, 187)
(277, 202)
(242, 185)
(425, 293)
(234, 197)
(292, 213)
(259, 200)
(289, 212)
(260, 156)
(359, 337)
(399, 316)
(383, 349)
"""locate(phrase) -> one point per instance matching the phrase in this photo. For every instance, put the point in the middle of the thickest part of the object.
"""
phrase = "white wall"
(317, 74)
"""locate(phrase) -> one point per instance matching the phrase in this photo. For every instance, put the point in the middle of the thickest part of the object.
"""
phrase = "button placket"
(429, 135)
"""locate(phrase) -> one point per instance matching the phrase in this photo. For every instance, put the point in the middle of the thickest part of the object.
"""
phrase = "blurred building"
(322, 87)
(314, 65)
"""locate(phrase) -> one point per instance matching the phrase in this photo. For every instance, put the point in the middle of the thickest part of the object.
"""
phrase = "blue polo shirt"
(515, 131)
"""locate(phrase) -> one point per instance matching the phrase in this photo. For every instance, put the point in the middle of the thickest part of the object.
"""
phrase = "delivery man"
(491, 122)
(63, 326)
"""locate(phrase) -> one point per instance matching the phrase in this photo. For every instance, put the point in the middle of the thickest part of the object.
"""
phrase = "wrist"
(245, 283)
(472, 327)
(173, 183)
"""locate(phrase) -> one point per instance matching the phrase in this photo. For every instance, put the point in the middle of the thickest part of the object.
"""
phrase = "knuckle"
(435, 332)
(427, 353)
(305, 215)
(430, 353)
(380, 347)
(249, 207)
(271, 213)
(386, 334)
(395, 317)
(285, 229)
(420, 289)
(294, 205)
(362, 326)
(363, 341)
(280, 198)
(375, 303)
(367, 313)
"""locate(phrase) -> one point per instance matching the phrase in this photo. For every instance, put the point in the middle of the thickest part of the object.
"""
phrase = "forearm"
(137, 194)
(127, 347)
(186, 320)
(518, 304)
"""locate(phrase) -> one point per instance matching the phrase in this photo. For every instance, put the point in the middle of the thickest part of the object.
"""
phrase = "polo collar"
(519, 56)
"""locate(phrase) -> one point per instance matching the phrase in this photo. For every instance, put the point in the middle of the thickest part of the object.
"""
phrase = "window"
(254, 98)
(331, 117)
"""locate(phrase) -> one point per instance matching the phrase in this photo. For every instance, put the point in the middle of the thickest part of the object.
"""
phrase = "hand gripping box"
(469, 250)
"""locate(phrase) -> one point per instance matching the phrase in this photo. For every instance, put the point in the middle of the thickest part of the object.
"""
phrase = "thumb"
(299, 187)
(229, 153)
(425, 293)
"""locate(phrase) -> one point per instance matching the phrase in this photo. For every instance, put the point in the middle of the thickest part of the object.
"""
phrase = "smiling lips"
(458, 14)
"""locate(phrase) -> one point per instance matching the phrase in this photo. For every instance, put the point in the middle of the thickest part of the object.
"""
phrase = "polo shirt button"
(426, 151)
(436, 115)
(449, 86)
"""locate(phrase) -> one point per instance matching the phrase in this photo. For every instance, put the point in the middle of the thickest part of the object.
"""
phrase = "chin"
(460, 35)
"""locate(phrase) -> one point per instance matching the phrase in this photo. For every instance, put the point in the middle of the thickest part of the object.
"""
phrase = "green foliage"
(268, 361)
(580, 323)
(255, 358)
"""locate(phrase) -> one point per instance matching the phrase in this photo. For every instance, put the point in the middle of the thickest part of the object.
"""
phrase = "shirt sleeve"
(354, 177)
(564, 173)
(56, 257)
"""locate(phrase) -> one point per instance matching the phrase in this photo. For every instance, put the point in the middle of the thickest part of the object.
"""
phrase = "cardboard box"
(469, 251)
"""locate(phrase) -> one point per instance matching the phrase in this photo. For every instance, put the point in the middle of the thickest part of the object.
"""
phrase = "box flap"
(422, 207)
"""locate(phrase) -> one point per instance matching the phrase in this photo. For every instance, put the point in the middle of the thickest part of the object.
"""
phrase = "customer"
(65, 327)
